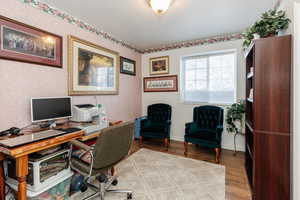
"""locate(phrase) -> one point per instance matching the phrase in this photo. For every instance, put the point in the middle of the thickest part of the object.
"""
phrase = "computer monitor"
(50, 108)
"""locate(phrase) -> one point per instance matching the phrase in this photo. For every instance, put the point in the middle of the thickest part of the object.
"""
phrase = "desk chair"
(112, 146)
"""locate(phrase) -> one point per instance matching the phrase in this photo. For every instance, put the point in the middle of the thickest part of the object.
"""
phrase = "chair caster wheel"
(83, 188)
(129, 195)
(115, 182)
(102, 178)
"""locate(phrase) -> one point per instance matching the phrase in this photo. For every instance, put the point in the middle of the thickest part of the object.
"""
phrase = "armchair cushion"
(195, 131)
(150, 126)
(204, 135)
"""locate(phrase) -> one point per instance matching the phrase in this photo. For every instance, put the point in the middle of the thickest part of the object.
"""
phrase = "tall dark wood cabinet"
(268, 116)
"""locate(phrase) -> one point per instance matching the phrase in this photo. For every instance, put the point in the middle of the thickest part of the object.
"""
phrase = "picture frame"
(159, 65)
(25, 43)
(92, 69)
(161, 84)
(127, 66)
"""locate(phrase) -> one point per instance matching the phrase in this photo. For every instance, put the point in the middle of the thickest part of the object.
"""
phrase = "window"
(210, 78)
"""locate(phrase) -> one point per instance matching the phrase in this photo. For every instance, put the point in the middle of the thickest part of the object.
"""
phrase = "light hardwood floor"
(237, 187)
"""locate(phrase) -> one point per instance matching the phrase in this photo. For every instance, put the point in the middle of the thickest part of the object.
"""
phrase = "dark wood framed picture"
(127, 66)
(161, 84)
(24, 43)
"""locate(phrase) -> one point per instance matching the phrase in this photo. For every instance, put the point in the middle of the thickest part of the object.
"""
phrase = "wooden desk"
(96, 134)
(20, 154)
(89, 137)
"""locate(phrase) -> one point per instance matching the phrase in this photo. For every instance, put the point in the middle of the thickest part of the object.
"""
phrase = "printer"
(85, 113)
(92, 118)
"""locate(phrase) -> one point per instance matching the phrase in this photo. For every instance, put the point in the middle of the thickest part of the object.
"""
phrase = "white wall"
(183, 113)
(20, 81)
(296, 137)
(292, 8)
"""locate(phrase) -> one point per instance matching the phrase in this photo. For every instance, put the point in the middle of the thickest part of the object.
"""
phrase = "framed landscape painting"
(92, 69)
(21, 42)
(159, 65)
(161, 84)
(127, 66)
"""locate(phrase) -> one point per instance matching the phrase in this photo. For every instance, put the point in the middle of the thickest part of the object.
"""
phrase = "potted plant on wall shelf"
(235, 119)
(272, 23)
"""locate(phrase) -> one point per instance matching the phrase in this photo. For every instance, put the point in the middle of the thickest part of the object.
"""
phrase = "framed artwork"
(161, 84)
(93, 69)
(159, 65)
(127, 66)
(21, 42)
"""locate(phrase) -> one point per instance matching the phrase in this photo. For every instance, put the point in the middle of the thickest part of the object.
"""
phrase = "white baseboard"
(230, 147)
(239, 147)
(176, 138)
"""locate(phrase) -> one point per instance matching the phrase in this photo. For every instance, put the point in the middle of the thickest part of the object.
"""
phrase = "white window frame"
(207, 54)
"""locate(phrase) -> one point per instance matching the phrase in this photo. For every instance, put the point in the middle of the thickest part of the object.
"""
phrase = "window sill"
(206, 103)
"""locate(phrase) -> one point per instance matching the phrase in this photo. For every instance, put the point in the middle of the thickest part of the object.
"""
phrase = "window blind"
(210, 78)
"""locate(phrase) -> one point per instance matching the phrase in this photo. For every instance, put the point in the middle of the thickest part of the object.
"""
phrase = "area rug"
(153, 175)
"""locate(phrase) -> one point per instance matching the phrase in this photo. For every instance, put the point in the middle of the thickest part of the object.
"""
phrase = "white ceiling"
(134, 21)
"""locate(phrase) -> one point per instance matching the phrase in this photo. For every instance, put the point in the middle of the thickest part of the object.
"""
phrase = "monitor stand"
(48, 124)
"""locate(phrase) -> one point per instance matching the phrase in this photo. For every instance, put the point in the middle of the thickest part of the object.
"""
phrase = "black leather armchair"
(157, 124)
(206, 129)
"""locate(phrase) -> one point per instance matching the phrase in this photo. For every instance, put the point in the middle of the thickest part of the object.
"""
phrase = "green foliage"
(248, 36)
(235, 113)
(270, 24)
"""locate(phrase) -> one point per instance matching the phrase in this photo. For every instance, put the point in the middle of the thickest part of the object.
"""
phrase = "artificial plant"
(235, 113)
(270, 24)
(248, 36)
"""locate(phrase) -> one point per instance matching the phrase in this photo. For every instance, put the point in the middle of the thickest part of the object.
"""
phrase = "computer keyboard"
(46, 134)
(69, 130)
(24, 139)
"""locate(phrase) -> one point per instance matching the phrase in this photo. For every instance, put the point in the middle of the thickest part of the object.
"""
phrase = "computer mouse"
(14, 130)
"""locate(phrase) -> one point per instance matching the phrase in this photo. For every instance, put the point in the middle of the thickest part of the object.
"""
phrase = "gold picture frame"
(159, 65)
(92, 69)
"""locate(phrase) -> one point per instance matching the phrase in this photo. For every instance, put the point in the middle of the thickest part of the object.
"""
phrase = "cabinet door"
(272, 167)
(272, 84)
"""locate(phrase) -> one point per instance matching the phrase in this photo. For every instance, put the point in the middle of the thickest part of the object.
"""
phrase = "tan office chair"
(112, 146)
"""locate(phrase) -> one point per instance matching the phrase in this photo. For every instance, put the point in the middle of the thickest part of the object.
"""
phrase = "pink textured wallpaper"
(21, 81)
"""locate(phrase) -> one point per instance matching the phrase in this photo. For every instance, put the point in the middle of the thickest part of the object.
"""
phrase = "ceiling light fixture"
(160, 6)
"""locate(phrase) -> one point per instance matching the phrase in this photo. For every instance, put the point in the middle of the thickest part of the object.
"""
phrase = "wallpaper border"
(85, 26)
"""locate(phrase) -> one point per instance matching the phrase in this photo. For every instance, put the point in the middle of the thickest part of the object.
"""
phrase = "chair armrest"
(219, 128)
(87, 149)
(188, 125)
(81, 145)
(143, 120)
(219, 131)
(168, 122)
